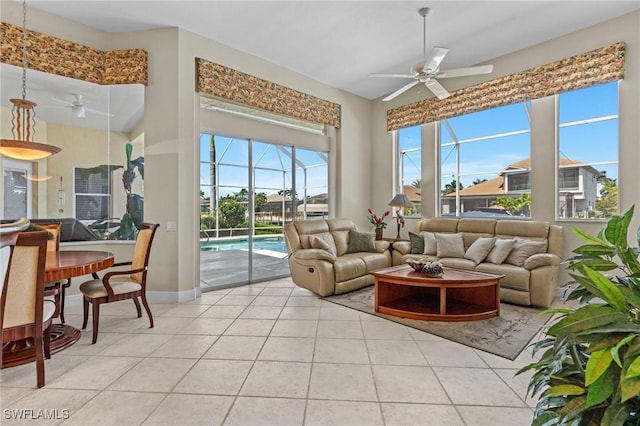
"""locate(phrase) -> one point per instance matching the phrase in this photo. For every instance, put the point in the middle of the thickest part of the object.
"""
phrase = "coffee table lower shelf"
(427, 308)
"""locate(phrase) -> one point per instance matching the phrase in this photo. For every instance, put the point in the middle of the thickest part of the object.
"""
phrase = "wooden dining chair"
(57, 289)
(115, 286)
(24, 312)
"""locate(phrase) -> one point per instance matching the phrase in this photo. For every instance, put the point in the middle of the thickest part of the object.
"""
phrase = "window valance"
(62, 57)
(586, 69)
(245, 89)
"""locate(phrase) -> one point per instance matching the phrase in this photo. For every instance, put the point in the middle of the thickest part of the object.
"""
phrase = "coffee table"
(457, 295)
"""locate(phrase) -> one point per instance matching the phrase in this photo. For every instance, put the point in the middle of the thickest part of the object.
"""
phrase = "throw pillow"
(523, 249)
(500, 251)
(450, 245)
(417, 243)
(430, 245)
(319, 243)
(479, 250)
(361, 241)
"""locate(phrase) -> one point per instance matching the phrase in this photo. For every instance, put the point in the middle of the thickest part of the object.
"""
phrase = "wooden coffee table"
(458, 295)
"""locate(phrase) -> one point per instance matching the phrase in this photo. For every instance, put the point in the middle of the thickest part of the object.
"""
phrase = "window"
(485, 162)
(588, 152)
(409, 167)
(92, 194)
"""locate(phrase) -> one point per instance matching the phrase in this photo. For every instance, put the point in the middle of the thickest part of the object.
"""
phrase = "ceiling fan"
(79, 108)
(428, 72)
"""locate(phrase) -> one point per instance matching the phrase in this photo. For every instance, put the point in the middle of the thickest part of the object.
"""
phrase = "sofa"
(528, 253)
(330, 256)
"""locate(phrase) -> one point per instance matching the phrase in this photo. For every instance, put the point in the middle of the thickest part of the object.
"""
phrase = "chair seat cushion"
(48, 309)
(94, 288)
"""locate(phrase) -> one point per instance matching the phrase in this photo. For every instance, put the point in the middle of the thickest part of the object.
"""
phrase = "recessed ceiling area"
(339, 43)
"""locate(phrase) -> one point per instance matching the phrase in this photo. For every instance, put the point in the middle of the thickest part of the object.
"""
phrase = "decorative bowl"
(416, 264)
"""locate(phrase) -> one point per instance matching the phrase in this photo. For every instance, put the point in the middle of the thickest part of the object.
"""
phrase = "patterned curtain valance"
(245, 89)
(56, 56)
(579, 71)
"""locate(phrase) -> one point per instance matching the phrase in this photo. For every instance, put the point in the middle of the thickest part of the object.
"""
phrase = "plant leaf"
(545, 418)
(597, 365)
(595, 263)
(602, 388)
(616, 414)
(595, 250)
(562, 390)
(587, 237)
(630, 388)
(611, 293)
(585, 318)
(615, 351)
(633, 370)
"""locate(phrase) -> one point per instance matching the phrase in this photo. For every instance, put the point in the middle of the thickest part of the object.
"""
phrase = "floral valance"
(61, 57)
(579, 71)
(245, 89)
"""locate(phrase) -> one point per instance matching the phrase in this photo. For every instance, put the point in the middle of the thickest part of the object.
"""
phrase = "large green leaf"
(595, 250)
(596, 263)
(632, 297)
(630, 259)
(630, 388)
(574, 408)
(546, 418)
(611, 293)
(598, 363)
(585, 318)
(587, 237)
(601, 389)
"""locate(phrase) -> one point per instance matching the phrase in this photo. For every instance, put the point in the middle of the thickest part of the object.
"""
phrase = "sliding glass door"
(247, 196)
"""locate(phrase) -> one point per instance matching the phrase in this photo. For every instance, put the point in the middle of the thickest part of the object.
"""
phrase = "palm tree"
(451, 187)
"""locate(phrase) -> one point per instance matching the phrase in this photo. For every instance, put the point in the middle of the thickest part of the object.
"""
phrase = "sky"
(486, 158)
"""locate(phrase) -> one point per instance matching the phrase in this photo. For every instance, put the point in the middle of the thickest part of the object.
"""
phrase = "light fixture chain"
(24, 49)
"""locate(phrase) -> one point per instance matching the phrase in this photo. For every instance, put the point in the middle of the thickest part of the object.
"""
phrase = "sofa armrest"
(541, 259)
(382, 246)
(313, 254)
(403, 247)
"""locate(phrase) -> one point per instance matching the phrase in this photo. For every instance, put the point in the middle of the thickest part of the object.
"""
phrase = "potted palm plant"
(589, 369)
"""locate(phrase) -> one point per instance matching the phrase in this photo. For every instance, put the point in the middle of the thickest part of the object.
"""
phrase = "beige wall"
(543, 148)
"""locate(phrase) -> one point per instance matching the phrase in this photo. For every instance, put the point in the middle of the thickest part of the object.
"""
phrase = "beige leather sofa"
(534, 282)
(326, 273)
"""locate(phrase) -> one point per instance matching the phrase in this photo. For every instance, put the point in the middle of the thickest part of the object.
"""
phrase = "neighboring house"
(272, 210)
(577, 183)
(415, 196)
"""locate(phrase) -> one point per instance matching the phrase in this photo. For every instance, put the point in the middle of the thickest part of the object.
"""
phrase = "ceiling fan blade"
(434, 59)
(95, 111)
(461, 72)
(437, 88)
(392, 75)
(400, 90)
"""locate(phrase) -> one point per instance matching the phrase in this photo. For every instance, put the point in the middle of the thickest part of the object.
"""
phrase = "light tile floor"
(266, 354)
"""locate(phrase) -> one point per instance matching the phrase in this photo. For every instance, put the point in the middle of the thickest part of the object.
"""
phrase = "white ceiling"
(340, 42)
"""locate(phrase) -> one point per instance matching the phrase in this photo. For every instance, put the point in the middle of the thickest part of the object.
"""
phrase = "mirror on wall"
(100, 130)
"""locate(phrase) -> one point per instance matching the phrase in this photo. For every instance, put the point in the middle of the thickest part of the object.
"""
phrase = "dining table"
(60, 265)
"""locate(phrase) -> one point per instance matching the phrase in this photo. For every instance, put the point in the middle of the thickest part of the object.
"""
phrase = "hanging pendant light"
(22, 146)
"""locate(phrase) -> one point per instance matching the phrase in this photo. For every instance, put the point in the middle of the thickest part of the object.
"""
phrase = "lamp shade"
(400, 200)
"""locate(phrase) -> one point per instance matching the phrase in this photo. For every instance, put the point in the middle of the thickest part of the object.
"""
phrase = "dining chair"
(115, 286)
(57, 289)
(24, 312)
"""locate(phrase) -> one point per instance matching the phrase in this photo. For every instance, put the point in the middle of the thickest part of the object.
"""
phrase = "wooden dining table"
(61, 265)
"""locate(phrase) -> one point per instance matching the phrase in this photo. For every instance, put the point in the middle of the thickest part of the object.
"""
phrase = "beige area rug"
(505, 336)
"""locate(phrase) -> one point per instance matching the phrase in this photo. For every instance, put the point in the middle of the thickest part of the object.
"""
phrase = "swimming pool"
(270, 242)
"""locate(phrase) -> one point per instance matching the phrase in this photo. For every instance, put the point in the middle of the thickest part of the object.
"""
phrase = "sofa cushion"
(372, 261)
(500, 251)
(348, 267)
(361, 241)
(430, 243)
(523, 249)
(458, 262)
(479, 250)
(308, 227)
(449, 245)
(515, 277)
(318, 243)
(417, 243)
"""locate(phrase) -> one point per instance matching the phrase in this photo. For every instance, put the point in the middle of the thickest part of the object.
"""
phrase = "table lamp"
(400, 201)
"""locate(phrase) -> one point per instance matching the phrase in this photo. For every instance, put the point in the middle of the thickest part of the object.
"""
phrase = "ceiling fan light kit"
(428, 71)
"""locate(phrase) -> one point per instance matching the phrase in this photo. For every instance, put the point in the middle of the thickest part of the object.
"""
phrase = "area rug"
(506, 336)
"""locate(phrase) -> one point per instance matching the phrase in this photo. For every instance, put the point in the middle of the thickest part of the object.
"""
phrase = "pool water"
(272, 243)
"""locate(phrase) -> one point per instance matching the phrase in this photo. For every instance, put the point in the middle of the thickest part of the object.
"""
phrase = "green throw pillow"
(361, 241)
(417, 243)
